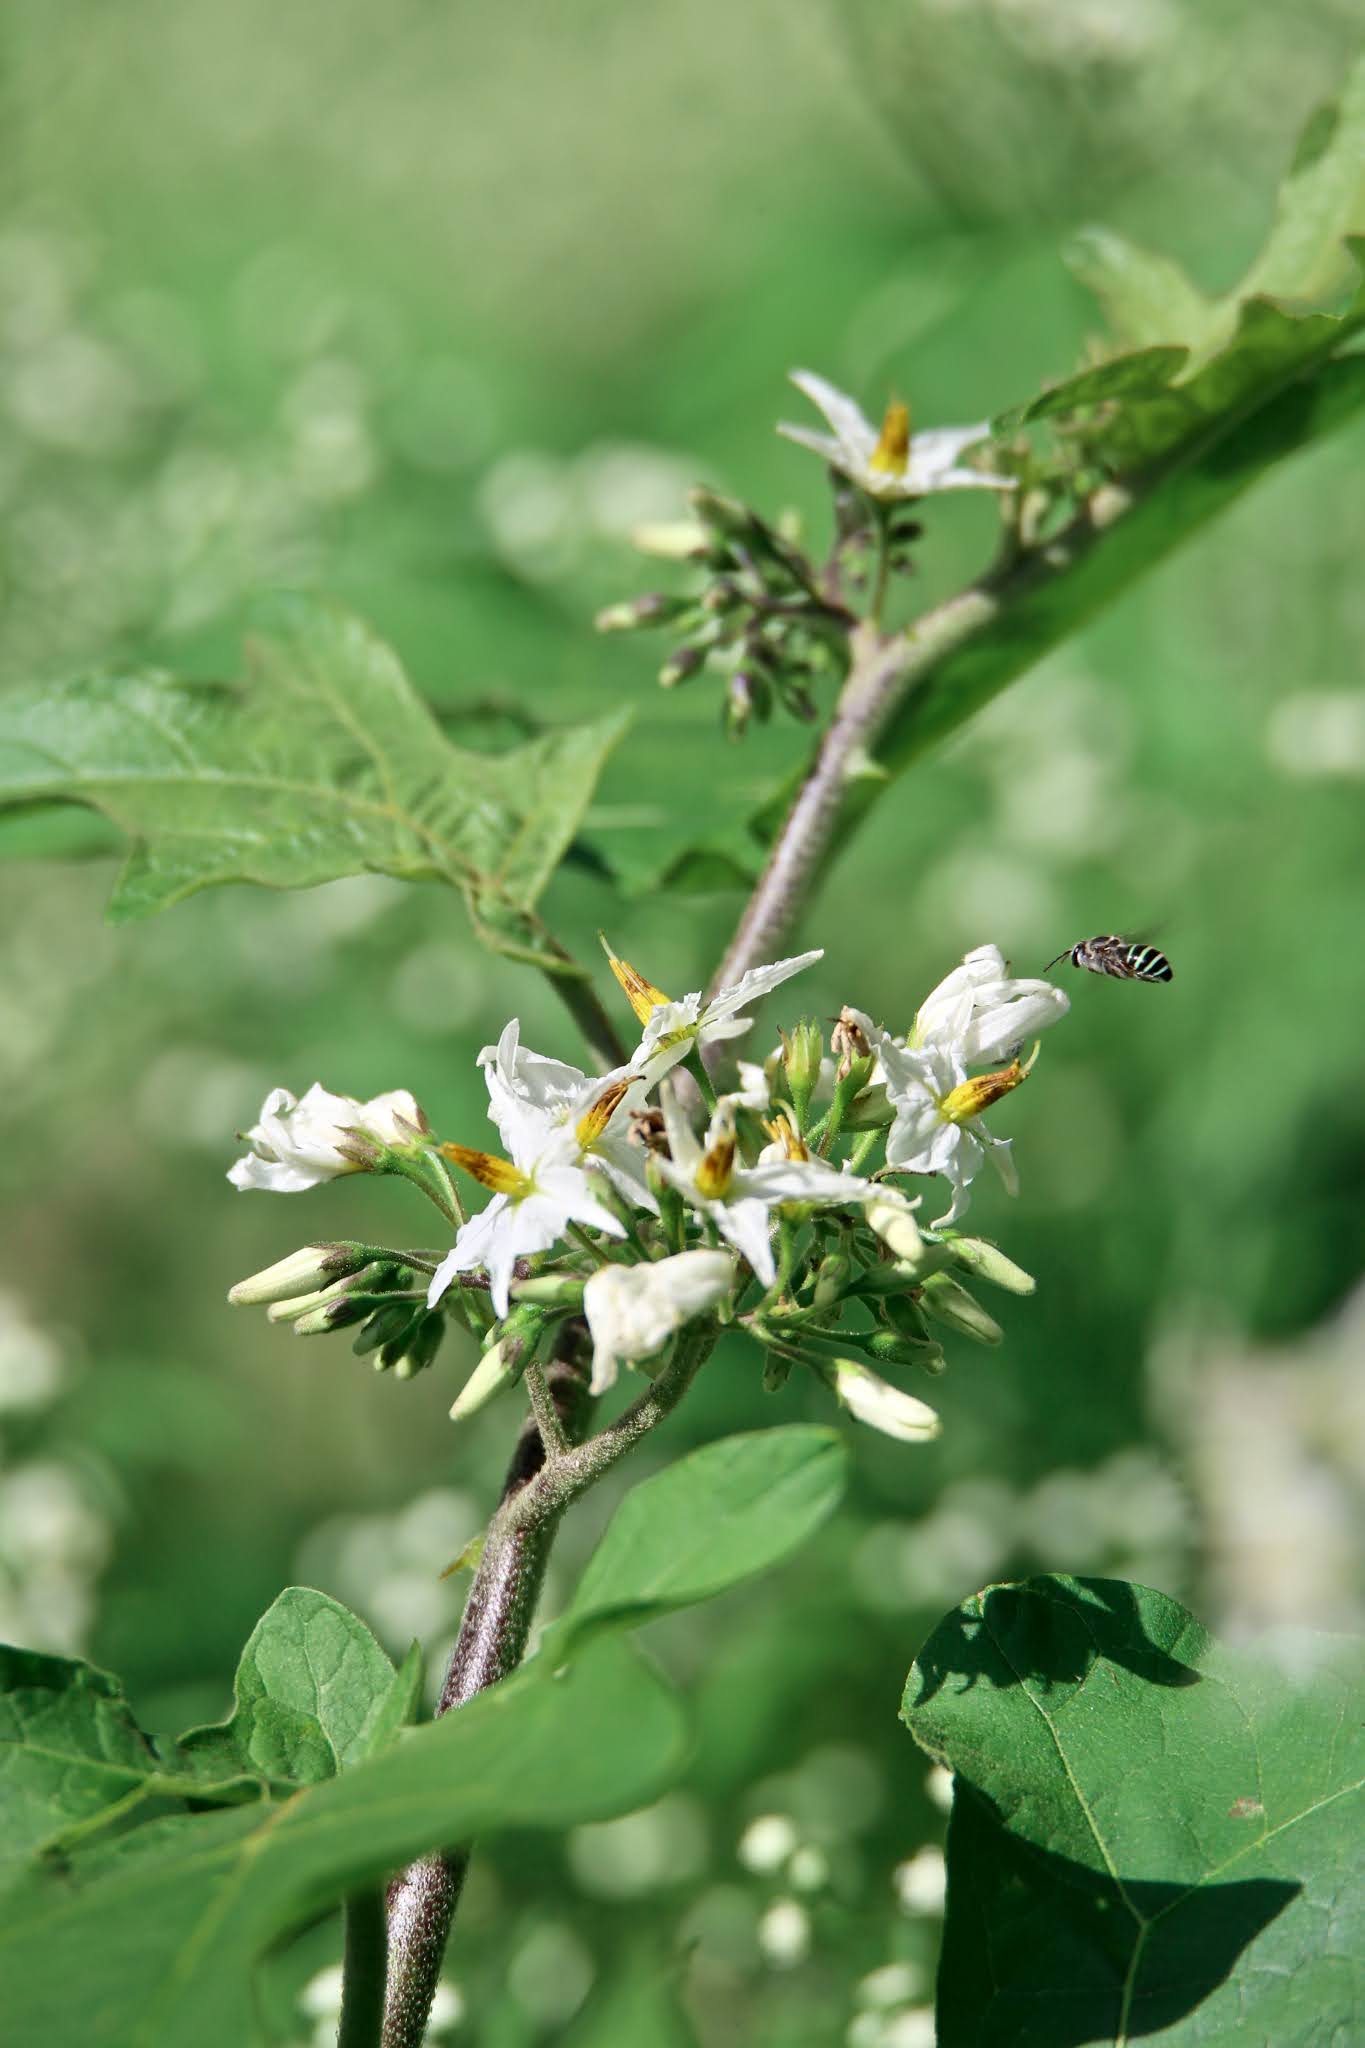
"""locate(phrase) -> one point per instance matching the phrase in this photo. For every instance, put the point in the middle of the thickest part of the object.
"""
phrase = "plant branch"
(496, 1622)
(492, 1639)
(584, 1005)
(363, 1970)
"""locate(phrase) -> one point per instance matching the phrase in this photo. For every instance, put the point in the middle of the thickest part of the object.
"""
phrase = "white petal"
(632, 1311)
(745, 1224)
(847, 420)
(623, 1162)
(1024, 1009)
(823, 445)
(874, 1401)
(683, 1147)
(757, 982)
(471, 1249)
(274, 1175)
(801, 1180)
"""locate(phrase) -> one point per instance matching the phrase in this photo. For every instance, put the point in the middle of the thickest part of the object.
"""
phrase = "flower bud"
(682, 663)
(988, 1262)
(673, 540)
(832, 1276)
(801, 1057)
(894, 1350)
(387, 1323)
(550, 1290)
(904, 1315)
(314, 1267)
(525, 1322)
(414, 1351)
(339, 1313)
(653, 608)
(378, 1278)
(950, 1302)
(499, 1368)
(893, 1219)
(776, 1372)
(872, 1400)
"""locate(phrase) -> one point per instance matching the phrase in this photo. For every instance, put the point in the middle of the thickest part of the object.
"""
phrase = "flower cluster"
(763, 614)
(650, 1204)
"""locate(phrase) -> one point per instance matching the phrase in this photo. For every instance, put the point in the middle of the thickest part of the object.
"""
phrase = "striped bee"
(1125, 959)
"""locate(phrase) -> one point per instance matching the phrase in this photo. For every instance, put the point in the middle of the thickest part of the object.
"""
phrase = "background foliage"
(427, 311)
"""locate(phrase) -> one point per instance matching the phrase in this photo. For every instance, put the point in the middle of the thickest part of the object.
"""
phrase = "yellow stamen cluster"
(892, 451)
(976, 1094)
(599, 1114)
(642, 995)
(717, 1168)
(783, 1132)
(489, 1170)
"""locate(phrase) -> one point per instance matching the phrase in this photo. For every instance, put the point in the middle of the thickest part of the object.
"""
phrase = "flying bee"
(1125, 959)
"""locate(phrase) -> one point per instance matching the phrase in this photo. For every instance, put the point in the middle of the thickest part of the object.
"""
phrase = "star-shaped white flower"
(671, 1029)
(938, 1126)
(739, 1199)
(632, 1311)
(531, 1209)
(980, 1010)
(300, 1142)
(534, 1101)
(889, 462)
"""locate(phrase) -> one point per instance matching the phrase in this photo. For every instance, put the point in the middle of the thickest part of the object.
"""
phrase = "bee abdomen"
(1148, 963)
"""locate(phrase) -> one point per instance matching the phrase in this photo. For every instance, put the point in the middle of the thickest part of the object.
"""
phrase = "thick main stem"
(493, 1636)
(492, 1639)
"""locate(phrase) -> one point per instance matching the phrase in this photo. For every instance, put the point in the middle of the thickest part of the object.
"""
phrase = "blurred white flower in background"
(388, 1568)
(31, 1367)
(767, 1842)
(784, 1934)
(1318, 735)
(921, 1883)
(1273, 1440)
(662, 1845)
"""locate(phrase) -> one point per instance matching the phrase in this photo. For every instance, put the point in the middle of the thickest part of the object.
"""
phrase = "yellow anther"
(783, 1132)
(489, 1170)
(717, 1168)
(642, 995)
(970, 1097)
(599, 1114)
(892, 451)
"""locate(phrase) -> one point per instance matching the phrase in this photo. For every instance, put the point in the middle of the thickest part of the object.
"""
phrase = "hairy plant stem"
(885, 674)
(541, 1482)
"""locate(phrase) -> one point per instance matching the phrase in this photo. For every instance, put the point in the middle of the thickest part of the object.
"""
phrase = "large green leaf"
(322, 762)
(69, 1749)
(1153, 1836)
(311, 1688)
(716, 1517)
(149, 1942)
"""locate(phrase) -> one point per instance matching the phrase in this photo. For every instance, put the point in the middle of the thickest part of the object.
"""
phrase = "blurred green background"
(426, 306)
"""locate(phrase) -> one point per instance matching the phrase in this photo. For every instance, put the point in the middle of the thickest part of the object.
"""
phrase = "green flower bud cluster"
(760, 617)
(326, 1287)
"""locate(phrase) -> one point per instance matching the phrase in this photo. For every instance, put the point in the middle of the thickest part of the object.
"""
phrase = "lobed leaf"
(1152, 1835)
(150, 1941)
(321, 762)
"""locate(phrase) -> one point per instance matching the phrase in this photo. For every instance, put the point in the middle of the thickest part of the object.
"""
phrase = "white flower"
(299, 1143)
(938, 1127)
(673, 1028)
(890, 462)
(738, 1198)
(873, 1400)
(922, 1883)
(533, 1100)
(632, 1311)
(980, 1011)
(531, 1209)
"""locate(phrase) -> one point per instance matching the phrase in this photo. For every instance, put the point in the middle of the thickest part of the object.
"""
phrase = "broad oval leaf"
(70, 1750)
(149, 1942)
(715, 1517)
(323, 761)
(1153, 1836)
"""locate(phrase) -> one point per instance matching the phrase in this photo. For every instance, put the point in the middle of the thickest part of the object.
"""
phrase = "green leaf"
(1320, 207)
(715, 1517)
(1152, 1835)
(400, 1705)
(311, 1689)
(1146, 371)
(70, 1749)
(150, 1942)
(322, 762)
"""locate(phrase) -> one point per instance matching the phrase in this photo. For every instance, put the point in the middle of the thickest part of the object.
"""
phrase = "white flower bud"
(873, 1400)
(893, 1219)
(988, 1262)
(301, 1142)
(632, 1311)
(314, 1266)
(497, 1369)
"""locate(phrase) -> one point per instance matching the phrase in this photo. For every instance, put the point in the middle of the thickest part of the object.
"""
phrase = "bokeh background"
(426, 306)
